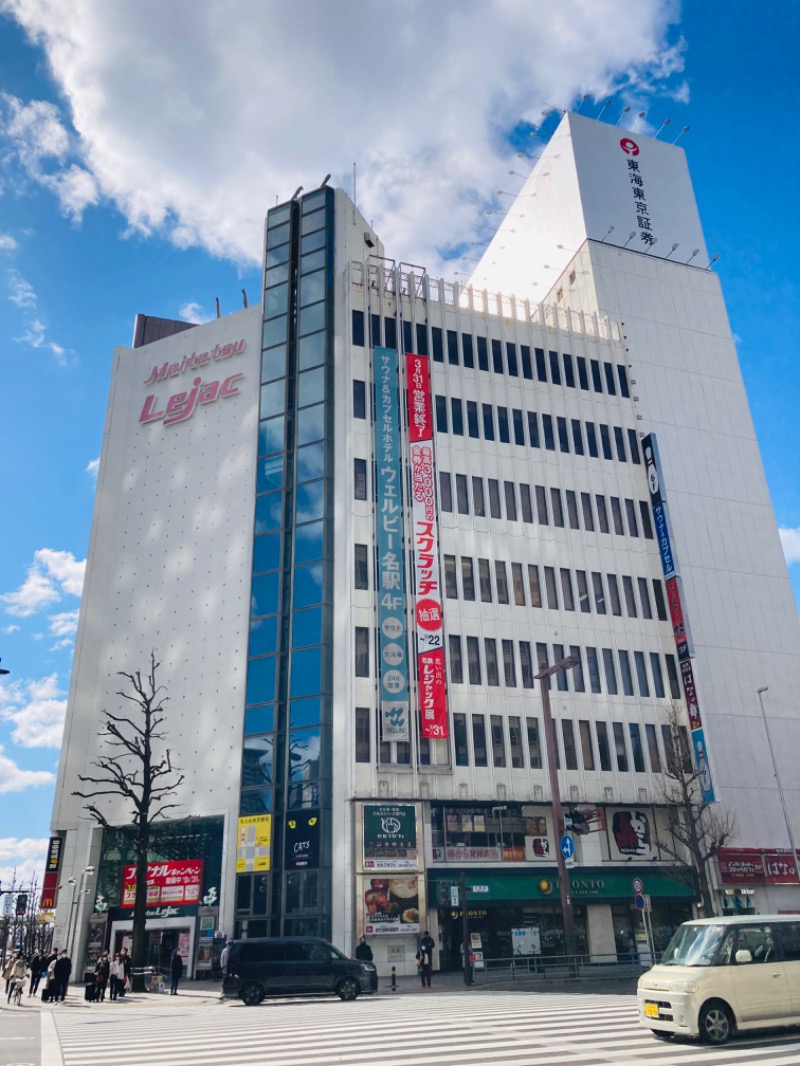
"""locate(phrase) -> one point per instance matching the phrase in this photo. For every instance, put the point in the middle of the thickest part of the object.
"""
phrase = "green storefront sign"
(588, 885)
(390, 836)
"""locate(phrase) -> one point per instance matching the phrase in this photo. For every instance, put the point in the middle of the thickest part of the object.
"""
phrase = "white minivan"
(720, 975)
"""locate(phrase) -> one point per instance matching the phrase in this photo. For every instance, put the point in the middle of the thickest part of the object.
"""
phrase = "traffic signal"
(577, 821)
(22, 903)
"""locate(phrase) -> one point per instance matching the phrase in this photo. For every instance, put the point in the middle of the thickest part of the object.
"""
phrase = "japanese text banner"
(425, 543)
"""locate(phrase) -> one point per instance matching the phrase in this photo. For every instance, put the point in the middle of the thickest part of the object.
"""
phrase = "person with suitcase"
(101, 975)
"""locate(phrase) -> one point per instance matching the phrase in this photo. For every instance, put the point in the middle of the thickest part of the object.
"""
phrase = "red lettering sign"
(173, 883)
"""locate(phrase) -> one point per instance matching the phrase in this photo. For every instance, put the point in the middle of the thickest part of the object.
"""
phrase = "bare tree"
(698, 828)
(136, 772)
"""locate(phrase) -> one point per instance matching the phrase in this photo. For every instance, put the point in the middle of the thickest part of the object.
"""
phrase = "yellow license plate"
(651, 1010)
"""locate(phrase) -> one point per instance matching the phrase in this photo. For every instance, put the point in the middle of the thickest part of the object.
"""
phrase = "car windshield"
(693, 945)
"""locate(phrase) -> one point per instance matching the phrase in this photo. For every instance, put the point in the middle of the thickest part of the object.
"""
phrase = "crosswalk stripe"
(443, 1029)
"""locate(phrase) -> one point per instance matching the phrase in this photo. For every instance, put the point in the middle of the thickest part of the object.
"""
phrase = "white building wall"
(168, 570)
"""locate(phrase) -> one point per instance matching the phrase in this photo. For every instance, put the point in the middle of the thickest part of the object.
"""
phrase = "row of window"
(559, 591)
(486, 422)
(514, 360)
(550, 508)
(518, 743)
(477, 661)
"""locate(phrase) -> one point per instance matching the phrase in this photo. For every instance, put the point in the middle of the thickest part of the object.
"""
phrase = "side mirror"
(743, 955)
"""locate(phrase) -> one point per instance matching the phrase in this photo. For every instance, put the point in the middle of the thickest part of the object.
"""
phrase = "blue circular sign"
(638, 901)
(567, 846)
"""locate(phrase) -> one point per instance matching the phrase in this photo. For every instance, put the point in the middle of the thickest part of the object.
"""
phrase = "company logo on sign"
(182, 405)
(191, 362)
(628, 146)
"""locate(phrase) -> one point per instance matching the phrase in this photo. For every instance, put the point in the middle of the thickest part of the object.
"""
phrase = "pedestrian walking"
(16, 979)
(37, 964)
(62, 968)
(9, 966)
(176, 972)
(116, 977)
(364, 951)
(101, 974)
(127, 966)
(425, 959)
(223, 957)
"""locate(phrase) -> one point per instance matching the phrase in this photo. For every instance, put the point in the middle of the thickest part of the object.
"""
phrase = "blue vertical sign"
(391, 570)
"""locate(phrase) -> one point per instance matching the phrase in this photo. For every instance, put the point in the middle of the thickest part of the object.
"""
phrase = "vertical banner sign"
(680, 627)
(391, 569)
(428, 607)
(51, 868)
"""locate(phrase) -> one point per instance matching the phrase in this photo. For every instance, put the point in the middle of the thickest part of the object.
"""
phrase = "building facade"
(355, 520)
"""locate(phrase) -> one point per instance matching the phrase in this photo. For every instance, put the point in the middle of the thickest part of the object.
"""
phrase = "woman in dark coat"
(176, 972)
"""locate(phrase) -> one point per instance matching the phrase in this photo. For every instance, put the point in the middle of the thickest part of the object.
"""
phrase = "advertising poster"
(302, 840)
(253, 843)
(391, 904)
(425, 547)
(741, 866)
(173, 883)
(392, 639)
(390, 836)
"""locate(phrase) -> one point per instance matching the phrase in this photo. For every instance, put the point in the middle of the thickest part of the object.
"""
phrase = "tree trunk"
(139, 946)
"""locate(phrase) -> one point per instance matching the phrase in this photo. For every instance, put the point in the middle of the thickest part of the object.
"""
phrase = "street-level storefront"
(503, 905)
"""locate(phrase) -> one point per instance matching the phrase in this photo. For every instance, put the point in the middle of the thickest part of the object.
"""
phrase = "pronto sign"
(180, 406)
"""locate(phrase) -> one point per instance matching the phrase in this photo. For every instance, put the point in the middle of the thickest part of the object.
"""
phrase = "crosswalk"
(469, 1028)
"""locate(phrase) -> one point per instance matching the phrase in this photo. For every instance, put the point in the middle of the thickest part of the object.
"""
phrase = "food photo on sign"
(391, 905)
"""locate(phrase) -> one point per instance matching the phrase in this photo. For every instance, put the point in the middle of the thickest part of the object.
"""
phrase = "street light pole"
(570, 943)
(760, 693)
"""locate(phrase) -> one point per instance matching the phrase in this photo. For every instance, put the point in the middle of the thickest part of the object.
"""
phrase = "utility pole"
(462, 891)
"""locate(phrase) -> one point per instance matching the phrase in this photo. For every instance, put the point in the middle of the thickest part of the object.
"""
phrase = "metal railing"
(556, 969)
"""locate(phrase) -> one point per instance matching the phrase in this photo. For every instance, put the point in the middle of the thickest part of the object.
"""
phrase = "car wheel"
(716, 1022)
(661, 1034)
(251, 994)
(348, 989)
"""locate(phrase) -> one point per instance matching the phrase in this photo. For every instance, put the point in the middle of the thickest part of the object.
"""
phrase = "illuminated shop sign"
(425, 546)
(391, 569)
(167, 882)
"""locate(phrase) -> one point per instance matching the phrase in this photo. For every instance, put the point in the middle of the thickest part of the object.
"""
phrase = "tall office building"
(355, 520)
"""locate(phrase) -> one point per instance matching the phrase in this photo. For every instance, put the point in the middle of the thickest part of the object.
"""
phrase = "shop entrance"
(494, 926)
(163, 937)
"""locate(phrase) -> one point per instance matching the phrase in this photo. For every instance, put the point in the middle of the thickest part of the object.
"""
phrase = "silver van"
(720, 975)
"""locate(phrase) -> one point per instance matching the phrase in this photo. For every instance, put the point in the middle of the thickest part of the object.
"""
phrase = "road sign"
(638, 901)
(567, 846)
(454, 895)
(638, 886)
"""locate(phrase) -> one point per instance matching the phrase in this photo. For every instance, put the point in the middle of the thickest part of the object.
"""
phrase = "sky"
(141, 144)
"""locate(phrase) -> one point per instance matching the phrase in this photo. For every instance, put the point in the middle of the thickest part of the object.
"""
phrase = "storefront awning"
(588, 884)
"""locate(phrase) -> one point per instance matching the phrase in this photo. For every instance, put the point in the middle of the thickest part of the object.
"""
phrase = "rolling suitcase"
(90, 995)
(45, 994)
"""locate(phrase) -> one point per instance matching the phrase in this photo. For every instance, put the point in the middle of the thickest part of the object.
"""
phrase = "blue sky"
(140, 149)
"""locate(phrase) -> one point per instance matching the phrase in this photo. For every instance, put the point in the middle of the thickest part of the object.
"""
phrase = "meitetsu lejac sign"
(199, 391)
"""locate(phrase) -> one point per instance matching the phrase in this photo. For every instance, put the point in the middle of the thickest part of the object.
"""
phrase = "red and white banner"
(428, 607)
(167, 882)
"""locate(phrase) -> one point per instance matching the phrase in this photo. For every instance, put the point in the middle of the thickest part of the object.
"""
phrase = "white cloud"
(13, 779)
(790, 539)
(36, 710)
(7, 242)
(92, 467)
(51, 575)
(8, 630)
(194, 312)
(24, 856)
(64, 624)
(22, 292)
(214, 132)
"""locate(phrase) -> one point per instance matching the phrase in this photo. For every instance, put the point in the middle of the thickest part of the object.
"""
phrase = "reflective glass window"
(312, 222)
(264, 596)
(273, 363)
(269, 512)
(275, 331)
(276, 300)
(263, 636)
(305, 712)
(307, 627)
(277, 255)
(306, 672)
(311, 350)
(309, 542)
(269, 474)
(308, 581)
(311, 387)
(314, 261)
(311, 424)
(312, 242)
(271, 436)
(261, 680)
(257, 761)
(255, 801)
(278, 234)
(266, 553)
(312, 288)
(304, 754)
(273, 398)
(310, 462)
(259, 719)
(276, 273)
(312, 318)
